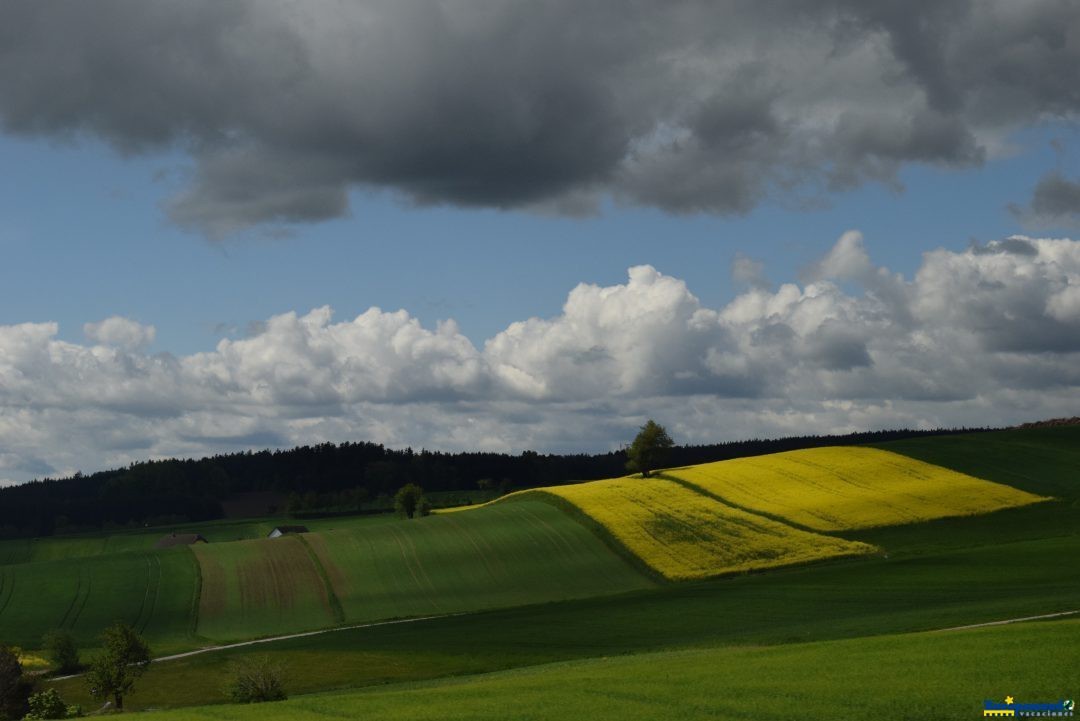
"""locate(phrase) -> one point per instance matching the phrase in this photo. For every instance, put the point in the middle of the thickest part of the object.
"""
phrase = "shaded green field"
(1045, 461)
(154, 592)
(1038, 460)
(920, 676)
(841, 600)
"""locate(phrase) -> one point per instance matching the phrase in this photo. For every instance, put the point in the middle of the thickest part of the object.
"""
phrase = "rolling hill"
(591, 540)
(512, 588)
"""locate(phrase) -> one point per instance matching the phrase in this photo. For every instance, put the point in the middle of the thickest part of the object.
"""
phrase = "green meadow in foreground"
(927, 676)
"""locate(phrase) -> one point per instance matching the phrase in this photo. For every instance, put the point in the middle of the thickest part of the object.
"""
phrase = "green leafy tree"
(253, 679)
(121, 663)
(409, 500)
(60, 647)
(15, 688)
(649, 449)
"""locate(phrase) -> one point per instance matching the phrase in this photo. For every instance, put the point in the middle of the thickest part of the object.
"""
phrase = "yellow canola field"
(843, 488)
(683, 534)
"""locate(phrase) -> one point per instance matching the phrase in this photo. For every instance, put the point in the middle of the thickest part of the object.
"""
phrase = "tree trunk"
(118, 701)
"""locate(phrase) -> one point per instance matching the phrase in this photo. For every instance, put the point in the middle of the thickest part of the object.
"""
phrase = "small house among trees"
(280, 531)
(179, 539)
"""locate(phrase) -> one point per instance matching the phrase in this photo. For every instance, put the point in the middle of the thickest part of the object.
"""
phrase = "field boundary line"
(1059, 614)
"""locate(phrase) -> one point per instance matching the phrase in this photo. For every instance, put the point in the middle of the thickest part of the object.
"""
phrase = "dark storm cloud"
(1055, 203)
(687, 106)
(1056, 196)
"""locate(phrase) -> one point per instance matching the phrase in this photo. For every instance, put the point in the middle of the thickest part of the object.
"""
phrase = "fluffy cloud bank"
(689, 105)
(990, 335)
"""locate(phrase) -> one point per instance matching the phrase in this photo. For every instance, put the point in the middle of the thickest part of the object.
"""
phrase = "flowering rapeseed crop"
(831, 489)
(683, 534)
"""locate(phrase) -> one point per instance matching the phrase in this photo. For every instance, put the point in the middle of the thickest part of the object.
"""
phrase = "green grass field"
(154, 592)
(259, 588)
(918, 676)
(491, 557)
(500, 555)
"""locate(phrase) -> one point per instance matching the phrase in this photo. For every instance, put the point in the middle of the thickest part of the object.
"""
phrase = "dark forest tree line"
(176, 491)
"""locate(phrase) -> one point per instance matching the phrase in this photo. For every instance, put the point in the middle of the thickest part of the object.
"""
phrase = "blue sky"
(740, 219)
(84, 238)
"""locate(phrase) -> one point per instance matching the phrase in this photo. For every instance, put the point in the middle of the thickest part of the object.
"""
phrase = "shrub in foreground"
(61, 650)
(48, 705)
(254, 679)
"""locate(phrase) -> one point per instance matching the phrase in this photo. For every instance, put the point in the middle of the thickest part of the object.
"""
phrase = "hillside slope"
(1044, 461)
(491, 557)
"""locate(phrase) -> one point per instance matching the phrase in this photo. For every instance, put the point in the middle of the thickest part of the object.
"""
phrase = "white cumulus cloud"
(988, 335)
(119, 332)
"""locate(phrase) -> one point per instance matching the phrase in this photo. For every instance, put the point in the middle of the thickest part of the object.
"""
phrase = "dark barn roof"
(179, 539)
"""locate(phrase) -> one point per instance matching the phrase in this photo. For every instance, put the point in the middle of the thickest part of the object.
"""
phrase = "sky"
(530, 225)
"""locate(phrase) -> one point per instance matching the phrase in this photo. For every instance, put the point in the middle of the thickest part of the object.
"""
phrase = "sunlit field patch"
(842, 488)
(682, 534)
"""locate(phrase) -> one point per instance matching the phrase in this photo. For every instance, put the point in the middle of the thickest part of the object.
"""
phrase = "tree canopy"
(14, 686)
(649, 449)
(409, 501)
(123, 660)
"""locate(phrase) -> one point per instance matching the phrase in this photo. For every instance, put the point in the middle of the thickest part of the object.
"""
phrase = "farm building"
(280, 531)
(179, 539)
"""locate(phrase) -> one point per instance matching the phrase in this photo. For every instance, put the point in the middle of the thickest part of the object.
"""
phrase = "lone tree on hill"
(123, 660)
(409, 501)
(649, 449)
